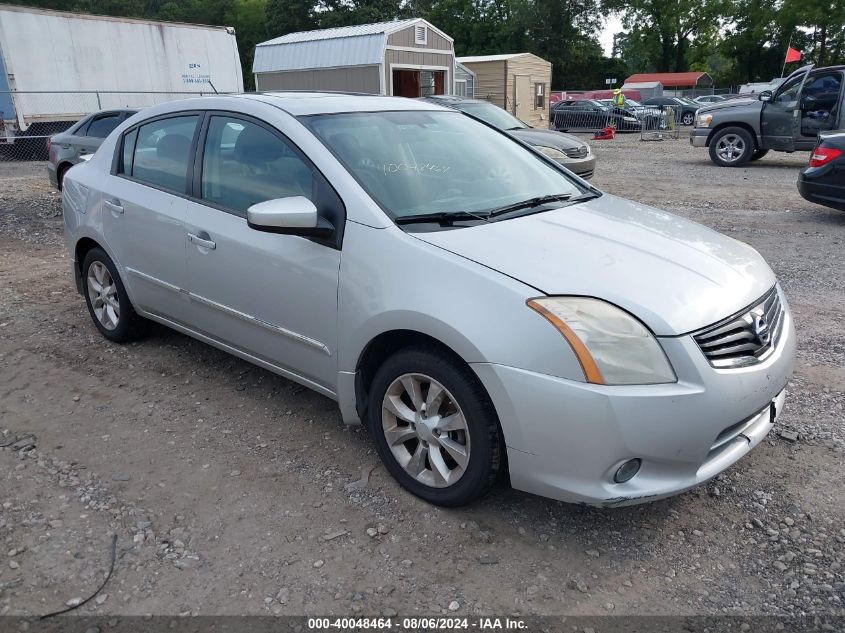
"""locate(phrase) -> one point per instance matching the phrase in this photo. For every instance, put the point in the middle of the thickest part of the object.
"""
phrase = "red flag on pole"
(792, 55)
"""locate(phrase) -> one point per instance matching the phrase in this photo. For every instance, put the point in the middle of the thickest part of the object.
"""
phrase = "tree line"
(735, 41)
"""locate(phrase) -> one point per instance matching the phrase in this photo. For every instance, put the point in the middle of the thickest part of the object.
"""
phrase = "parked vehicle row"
(482, 310)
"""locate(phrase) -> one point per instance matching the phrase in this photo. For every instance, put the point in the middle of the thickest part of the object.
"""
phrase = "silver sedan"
(80, 140)
(483, 311)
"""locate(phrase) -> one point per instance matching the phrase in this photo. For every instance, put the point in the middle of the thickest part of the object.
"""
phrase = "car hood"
(549, 138)
(732, 103)
(675, 275)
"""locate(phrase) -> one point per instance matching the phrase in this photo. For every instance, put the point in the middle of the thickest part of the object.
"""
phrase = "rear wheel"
(435, 427)
(731, 147)
(108, 303)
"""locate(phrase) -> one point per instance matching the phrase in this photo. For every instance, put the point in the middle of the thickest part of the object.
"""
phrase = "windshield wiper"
(443, 218)
(533, 203)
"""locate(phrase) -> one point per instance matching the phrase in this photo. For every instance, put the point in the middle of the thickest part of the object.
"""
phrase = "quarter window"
(102, 126)
(244, 164)
(162, 152)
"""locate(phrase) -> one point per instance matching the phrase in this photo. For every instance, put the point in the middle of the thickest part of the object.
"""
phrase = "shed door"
(522, 96)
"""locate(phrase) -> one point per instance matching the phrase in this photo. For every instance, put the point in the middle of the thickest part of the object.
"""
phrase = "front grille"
(745, 338)
(576, 152)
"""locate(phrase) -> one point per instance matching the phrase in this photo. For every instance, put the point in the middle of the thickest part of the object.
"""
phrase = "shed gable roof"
(686, 79)
(359, 45)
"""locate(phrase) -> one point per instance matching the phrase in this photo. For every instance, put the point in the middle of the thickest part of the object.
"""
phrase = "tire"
(688, 118)
(759, 154)
(121, 325)
(60, 174)
(469, 446)
(731, 147)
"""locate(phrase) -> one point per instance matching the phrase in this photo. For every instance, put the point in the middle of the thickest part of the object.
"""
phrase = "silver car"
(483, 311)
(80, 140)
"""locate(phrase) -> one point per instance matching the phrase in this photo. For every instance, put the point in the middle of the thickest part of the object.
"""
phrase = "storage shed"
(517, 82)
(464, 81)
(406, 58)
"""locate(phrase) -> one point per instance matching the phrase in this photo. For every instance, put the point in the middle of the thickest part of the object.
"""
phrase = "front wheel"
(759, 154)
(435, 427)
(731, 147)
(688, 118)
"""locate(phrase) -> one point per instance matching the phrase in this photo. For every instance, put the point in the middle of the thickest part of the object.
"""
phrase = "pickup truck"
(787, 119)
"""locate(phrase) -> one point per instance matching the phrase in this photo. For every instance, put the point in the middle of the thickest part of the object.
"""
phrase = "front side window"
(427, 162)
(102, 126)
(162, 152)
(245, 163)
(787, 97)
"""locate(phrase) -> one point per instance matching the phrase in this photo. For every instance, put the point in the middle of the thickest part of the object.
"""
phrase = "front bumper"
(565, 439)
(583, 167)
(698, 136)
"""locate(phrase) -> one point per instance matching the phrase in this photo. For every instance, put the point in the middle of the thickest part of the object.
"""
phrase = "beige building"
(407, 58)
(517, 82)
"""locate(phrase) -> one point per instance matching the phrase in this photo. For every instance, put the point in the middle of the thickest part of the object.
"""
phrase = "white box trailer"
(56, 67)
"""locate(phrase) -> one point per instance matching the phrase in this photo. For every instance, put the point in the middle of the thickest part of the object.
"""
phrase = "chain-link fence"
(29, 119)
(648, 121)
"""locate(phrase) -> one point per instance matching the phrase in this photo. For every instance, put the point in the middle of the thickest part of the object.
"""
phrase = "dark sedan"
(684, 108)
(823, 180)
(591, 115)
(569, 151)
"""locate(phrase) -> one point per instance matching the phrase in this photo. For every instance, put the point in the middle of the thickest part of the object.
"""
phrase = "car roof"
(305, 102)
(452, 99)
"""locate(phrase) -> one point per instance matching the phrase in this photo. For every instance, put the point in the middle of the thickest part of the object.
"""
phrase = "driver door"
(780, 117)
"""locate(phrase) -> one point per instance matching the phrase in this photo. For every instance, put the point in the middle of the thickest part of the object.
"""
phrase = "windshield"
(435, 162)
(494, 115)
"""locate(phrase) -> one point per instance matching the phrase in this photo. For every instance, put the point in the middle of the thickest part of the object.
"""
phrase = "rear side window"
(102, 126)
(244, 164)
(162, 152)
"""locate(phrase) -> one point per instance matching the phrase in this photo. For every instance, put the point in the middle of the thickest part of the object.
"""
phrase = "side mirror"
(295, 215)
(766, 95)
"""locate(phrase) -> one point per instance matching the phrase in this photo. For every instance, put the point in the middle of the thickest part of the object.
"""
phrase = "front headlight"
(551, 152)
(703, 120)
(612, 346)
(631, 119)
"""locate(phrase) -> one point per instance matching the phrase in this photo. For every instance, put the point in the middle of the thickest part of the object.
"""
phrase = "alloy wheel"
(102, 292)
(426, 430)
(730, 147)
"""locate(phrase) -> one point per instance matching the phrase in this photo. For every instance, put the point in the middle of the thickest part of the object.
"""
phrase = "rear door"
(89, 138)
(820, 106)
(143, 209)
(271, 296)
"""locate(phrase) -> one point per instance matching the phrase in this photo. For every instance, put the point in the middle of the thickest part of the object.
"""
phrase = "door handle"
(114, 206)
(203, 239)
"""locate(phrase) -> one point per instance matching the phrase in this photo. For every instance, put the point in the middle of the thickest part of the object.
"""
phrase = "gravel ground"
(234, 491)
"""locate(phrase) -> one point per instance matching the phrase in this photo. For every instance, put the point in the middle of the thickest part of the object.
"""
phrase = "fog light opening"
(627, 470)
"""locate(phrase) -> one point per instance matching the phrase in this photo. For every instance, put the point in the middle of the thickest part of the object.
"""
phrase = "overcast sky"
(614, 25)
